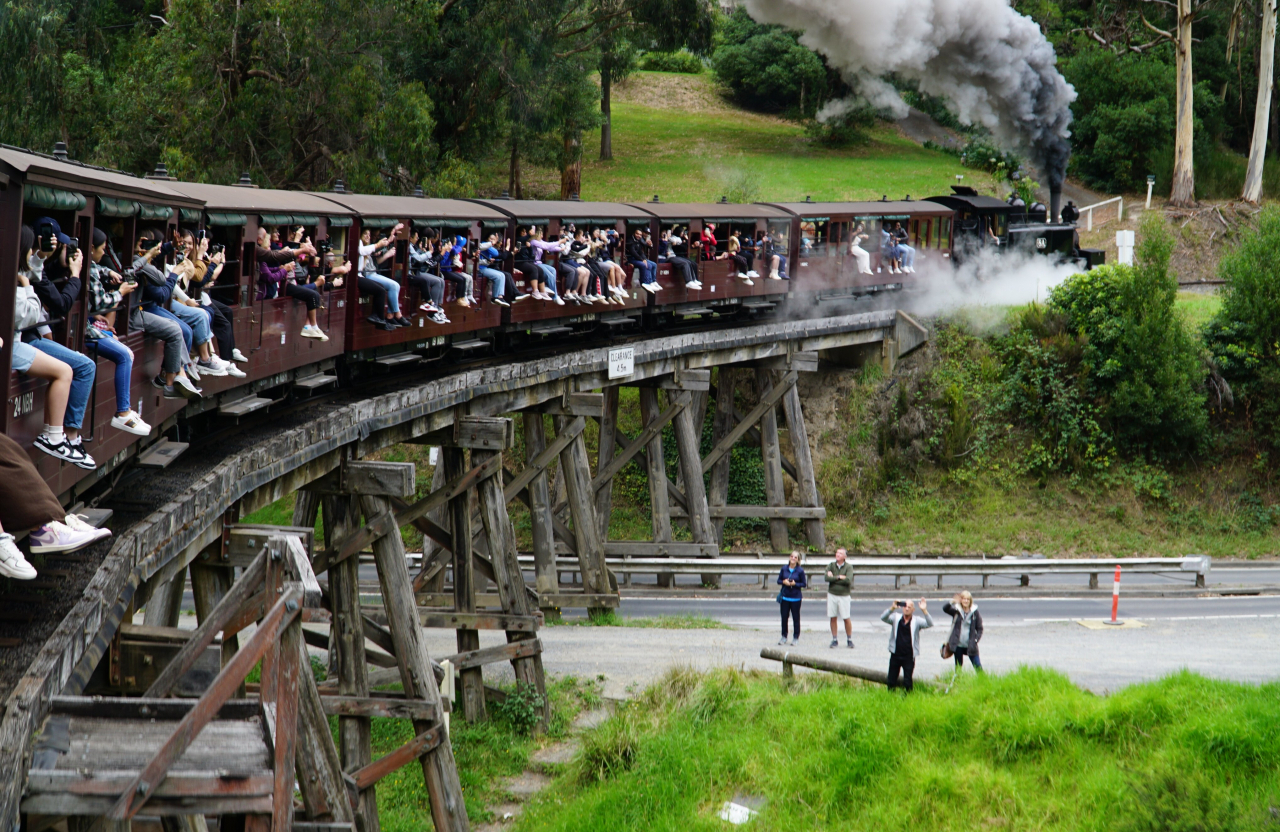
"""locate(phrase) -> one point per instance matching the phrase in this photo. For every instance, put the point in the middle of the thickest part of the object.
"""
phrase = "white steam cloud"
(992, 64)
(986, 278)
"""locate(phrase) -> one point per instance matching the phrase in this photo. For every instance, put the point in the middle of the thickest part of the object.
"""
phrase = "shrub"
(521, 709)
(1109, 361)
(766, 68)
(1244, 337)
(682, 61)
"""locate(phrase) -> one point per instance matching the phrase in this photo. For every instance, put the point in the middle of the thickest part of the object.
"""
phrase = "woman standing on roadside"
(792, 580)
(966, 629)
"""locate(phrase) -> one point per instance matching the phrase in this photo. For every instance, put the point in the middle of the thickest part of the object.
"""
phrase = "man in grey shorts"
(839, 582)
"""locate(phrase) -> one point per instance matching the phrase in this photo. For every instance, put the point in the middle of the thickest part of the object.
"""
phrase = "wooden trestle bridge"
(115, 721)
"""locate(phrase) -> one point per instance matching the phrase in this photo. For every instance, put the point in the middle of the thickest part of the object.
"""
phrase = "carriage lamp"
(1151, 183)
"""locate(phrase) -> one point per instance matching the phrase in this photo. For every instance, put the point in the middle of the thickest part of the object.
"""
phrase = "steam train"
(814, 238)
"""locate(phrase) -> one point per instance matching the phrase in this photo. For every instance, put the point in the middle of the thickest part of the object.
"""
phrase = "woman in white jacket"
(859, 253)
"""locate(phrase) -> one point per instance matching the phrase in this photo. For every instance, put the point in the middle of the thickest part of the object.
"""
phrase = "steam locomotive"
(829, 253)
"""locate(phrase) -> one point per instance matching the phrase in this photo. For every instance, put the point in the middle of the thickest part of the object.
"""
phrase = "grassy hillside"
(673, 135)
(1020, 752)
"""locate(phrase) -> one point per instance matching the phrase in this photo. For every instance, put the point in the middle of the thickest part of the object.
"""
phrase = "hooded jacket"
(919, 621)
(957, 621)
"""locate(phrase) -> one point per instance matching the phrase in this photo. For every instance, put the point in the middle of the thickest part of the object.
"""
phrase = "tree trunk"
(513, 176)
(606, 111)
(571, 172)
(1184, 184)
(1262, 109)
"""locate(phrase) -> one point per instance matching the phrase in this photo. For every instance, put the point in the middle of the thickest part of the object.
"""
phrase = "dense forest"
(392, 95)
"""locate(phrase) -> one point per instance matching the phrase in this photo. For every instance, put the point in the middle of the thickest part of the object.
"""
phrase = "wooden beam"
(370, 706)
(464, 585)
(538, 496)
(398, 759)
(771, 457)
(544, 456)
(604, 454)
(801, 362)
(153, 773)
(682, 379)
(290, 652)
(688, 441)
(721, 424)
(250, 580)
(647, 549)
(245, 540)
(382, 479)
(642, 459)
(575, 404)
(805, 476)
(753, 437)
(576, 470)
(764, 512)
(606, 475)
(440, 770)
(656, 467)
(753, 416)
(483, 432)
(300, 565)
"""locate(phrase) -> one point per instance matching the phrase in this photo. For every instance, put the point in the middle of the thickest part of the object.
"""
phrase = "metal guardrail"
(900, 567)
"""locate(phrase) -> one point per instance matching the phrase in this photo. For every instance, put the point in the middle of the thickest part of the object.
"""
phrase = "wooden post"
(608, 436)
(771, 454)
(355, 737)
(575, 470)
(288, 652)
(165, 604)
(689, 446)
(808, 485)
(464, 590)
(208, 585)
(324, 794)
(718, 492)
(507, 575)
(659, 503)
(439, 516)
(544, 539)
(306, 506)
(448, 811)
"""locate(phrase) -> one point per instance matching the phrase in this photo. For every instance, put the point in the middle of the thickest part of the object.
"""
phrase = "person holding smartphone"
(107, 291)
(904, 639)
(793, 581)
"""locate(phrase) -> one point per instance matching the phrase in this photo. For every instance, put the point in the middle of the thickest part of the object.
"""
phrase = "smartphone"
(46, 237)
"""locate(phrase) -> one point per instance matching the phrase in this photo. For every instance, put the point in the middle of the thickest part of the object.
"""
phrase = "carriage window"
(839, 236)
(780, 235)
(944, 233)
(1001, 224)
(813, 236)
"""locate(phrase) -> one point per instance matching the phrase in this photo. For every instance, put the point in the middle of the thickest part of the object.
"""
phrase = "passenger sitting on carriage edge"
(422, 262)
(638, 256)
(27, 503)
(452, 270)
(607, 243)
(207, 269)
(64, 387)
(369, 274)
(541, 247)
(908, 254)
(489, 261)
(293, 280)
(172, 380)
(774, 256)
(168, 299)
(684, 266)
(107, 291)
(887, 248)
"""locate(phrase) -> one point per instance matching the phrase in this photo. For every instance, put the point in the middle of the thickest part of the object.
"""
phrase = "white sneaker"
(209, 368)
(651, 288)
(56, 537)
(773, 275)
(234, 371)
(750, 282)
(309, 331)
(743, 276)
(695, 285)
(131, 422)
(79, 524)
(12, 563)
(753, 273)
(193, 372)
(559, 301)
(236, 355)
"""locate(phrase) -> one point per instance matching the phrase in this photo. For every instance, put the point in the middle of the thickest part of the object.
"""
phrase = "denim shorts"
(24, 355)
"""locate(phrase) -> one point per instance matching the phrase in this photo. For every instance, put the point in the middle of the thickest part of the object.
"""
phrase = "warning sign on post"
(622, 362)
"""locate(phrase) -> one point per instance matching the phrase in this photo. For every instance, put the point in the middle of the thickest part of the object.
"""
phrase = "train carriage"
(449, 217)
(722, 290)
(81, 198)
(822, 236)
(543, 318)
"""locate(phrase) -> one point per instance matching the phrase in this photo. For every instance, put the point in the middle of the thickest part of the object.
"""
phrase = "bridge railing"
(1087, 211)
(1199, 565)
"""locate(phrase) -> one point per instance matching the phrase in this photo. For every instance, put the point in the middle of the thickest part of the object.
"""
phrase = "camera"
(324, 246)
(46, 237)
(217, 248)
(73, 245)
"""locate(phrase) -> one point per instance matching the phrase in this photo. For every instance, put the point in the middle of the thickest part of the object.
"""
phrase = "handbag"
(946, 650)
(779, 597)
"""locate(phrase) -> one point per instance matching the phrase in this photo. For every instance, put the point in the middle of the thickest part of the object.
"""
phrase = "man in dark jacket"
(904, 639)
(966, 629)
(58, 301)
(638, 256)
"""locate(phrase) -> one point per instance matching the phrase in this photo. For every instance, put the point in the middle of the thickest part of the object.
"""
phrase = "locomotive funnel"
(1055, 202)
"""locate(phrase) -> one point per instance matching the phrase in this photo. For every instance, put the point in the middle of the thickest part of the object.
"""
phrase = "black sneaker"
(835, 642)
(501, 301)
(850, 641)
(377, 320)
(82, 460)
(170, 392)
(61, 450)
(158, 383)
(401, 322)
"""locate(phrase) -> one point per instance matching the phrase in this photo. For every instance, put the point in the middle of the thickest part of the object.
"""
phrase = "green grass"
(1198, 308)
(1025, 751)
(485, 752)
(660, 622)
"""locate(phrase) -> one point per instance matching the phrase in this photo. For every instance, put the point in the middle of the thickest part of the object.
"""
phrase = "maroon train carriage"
(722, 290)
(470, 328)
(79, 198)
(268, 331)
(540, 318)
(822, 235)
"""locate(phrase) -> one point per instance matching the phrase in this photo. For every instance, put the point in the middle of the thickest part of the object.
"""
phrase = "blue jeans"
(83, 370)
(647, 268)
(110, 348)
(182, 325)
(908, 255)
(393, 291)
(548, 276)
(196, 318)
(496, 279)
(961, 652)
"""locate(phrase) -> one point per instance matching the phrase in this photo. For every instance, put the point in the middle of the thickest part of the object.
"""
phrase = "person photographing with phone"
(904, 639)
(966, 629)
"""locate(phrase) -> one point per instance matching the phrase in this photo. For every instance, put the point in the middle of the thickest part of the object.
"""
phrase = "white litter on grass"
(736, 813)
